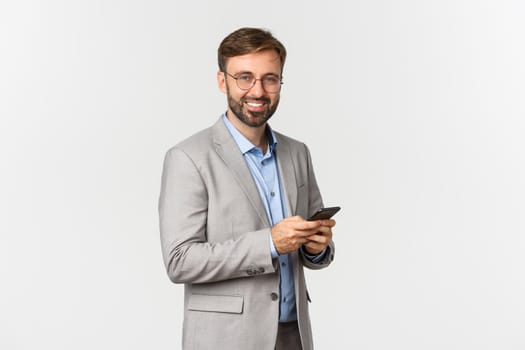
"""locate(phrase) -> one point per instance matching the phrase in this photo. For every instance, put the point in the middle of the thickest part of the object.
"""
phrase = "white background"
(414, 113)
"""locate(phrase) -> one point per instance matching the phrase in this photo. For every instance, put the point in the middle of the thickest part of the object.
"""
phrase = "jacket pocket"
(232, 304)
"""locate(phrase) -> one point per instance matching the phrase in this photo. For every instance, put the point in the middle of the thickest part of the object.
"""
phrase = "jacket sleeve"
(189, 256)
(315, 202)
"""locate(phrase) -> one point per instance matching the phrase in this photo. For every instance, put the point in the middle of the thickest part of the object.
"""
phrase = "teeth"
(254, 104)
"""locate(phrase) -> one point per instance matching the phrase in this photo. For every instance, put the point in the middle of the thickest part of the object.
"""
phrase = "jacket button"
(274, 296)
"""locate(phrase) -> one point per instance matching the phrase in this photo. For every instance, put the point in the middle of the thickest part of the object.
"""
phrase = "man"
(232, 208)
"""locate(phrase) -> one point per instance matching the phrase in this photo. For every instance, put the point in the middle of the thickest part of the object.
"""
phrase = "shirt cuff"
(273, 251)
(314, 258)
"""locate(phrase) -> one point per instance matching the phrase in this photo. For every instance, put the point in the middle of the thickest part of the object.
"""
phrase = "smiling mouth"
(256, 105)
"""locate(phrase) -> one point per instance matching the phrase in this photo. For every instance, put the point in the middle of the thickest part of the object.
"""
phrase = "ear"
(221, 81)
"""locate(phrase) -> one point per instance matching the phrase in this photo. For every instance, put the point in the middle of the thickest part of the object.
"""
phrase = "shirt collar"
(244, 144)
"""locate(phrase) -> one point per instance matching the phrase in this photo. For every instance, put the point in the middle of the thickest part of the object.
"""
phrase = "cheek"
(238, 97)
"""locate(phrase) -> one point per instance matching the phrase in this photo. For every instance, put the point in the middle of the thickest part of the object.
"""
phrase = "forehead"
(262, 62)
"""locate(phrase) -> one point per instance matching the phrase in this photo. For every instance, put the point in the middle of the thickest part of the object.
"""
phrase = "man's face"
(255, 106)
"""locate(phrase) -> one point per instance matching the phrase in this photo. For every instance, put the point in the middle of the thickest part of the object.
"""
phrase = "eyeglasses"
(245, 81)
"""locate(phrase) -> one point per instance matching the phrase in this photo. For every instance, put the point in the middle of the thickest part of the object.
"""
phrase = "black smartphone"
(324, 213)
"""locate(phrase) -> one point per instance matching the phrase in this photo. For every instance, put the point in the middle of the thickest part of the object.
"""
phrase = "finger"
(321, 239)
(328, 223)
(295, 218)
(308, 225)
(314, 248)
(324, 232)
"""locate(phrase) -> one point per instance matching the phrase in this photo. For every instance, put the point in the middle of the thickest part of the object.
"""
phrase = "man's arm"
(324, 254)
(189, 256)
(318, 261)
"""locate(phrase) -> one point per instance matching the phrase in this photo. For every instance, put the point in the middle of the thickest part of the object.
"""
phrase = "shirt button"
(283, 264)
(274, 296)
(272, 194)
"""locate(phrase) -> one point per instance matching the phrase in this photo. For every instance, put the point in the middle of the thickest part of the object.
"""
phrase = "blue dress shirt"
(263, 168)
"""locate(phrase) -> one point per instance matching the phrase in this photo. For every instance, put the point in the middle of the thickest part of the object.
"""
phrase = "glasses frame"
(255, 82)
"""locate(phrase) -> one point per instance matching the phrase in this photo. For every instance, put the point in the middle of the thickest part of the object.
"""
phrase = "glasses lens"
(271, 84)
(245, 81)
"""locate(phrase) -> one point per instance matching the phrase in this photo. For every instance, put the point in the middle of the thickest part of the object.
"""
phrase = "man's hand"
(318, 242)
(292, 232)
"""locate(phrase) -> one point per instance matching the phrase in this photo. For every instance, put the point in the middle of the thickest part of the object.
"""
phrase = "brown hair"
(248, 40)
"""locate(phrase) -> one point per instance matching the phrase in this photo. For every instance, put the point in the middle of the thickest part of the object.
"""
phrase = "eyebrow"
(264, 75)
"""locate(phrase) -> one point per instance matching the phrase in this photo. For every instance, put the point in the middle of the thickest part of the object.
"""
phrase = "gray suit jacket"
(215, 238)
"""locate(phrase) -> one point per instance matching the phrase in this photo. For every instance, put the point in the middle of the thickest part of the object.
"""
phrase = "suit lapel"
(229, 152)
(287, 175)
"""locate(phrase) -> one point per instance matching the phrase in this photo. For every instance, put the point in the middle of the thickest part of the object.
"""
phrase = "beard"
(250, 118)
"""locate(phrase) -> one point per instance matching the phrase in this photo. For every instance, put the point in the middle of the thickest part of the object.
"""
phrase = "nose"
(257, 89)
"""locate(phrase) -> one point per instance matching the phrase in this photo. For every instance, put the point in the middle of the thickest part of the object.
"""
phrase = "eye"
(245, 77)
(270, 79)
